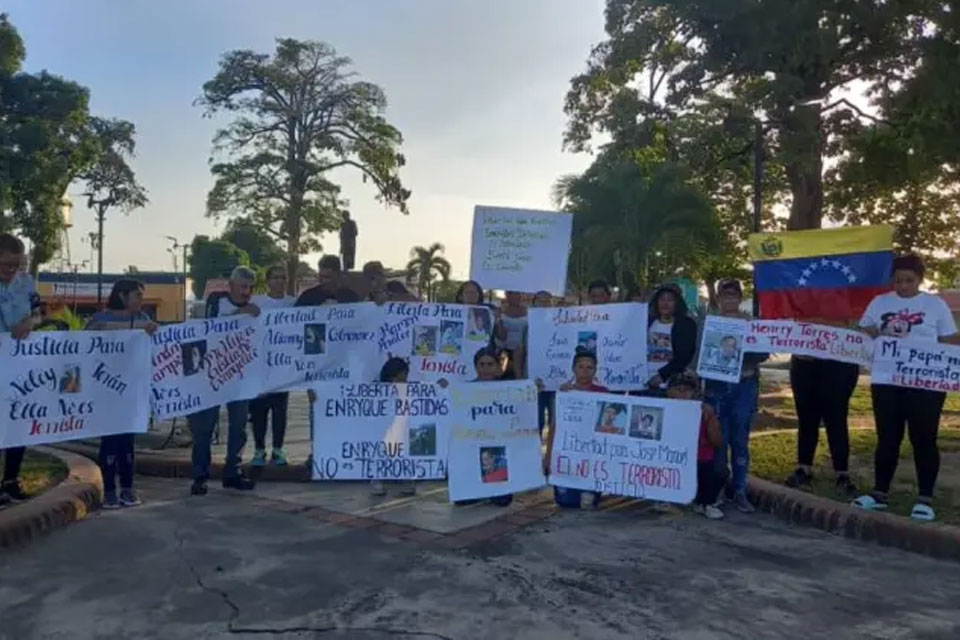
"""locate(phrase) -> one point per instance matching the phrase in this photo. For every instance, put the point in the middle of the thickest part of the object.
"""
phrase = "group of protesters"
(822, 388)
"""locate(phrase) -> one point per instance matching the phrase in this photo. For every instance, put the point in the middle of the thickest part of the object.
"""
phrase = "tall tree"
(426, 265)
(260, 246)
(212, 259)
(110, 182)
(300, 114)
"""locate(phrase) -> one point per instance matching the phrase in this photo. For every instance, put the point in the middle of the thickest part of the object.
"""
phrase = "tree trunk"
(298, 186)
(803, 145)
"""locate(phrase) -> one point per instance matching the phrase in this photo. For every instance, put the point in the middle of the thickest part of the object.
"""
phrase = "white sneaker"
(924, 512)
(377, 488)
(712, 513)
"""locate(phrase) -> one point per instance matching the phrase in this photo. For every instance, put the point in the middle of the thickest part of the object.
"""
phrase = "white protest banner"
(304, 345)
(520, 249)
(803, 339)
(439, 340)
(721, 349)
(616, 333)
(380, 431)
(627, 446)
(65, 385)
(494, 440)
(206, 363)
(916, 364)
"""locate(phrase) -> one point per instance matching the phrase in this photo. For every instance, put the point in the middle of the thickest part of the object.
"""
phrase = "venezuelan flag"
(821, 273)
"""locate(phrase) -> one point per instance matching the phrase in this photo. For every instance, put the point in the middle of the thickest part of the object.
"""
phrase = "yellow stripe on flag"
(820, 242)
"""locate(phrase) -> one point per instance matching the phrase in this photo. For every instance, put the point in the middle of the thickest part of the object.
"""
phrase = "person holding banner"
(910, 314)
(124, 311)
(599, 292)
(17, 300)
(237, 300)
(394, 370)
(671, 336)
(736, 404)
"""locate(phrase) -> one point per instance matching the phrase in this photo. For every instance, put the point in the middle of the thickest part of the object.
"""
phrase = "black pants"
(13, 460)
(116, 458)
(349, 257)
(821, 392)
(276, 405)
(917, 411)
(709, 483)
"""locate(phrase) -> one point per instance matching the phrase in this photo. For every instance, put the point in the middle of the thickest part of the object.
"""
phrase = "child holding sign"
(685, 386)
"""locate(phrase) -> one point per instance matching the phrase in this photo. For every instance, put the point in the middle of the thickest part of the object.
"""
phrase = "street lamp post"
(757, 200)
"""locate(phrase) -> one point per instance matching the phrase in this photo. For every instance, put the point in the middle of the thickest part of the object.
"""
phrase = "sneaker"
(279, 458)
(589, 500)
(408, 489)
(14, 490)
(923, 512)
(712, 513)
(743, 503)
(699, 509)
(199, 487)
(377, 488)
(239, 482)
(845, 486)
(129, 498)
(871, 502)
(800, 479)
(259, 458)
(110, 502)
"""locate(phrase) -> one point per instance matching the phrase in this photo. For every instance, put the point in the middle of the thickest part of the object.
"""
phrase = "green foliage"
(425, 266)
(260, 246)
(299, 114)
(213, 259)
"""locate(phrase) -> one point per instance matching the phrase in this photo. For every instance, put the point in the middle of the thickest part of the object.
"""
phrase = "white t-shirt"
(923, 317)
(659, 343)
(266, 302)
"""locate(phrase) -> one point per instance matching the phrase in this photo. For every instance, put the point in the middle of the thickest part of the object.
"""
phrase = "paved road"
(224, 566)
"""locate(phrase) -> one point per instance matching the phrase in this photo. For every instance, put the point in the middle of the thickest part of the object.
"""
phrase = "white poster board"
(805, 339)
(65, 385)
(439, 340)
(205, 363)
(380, 431)
(721, 349)
(520, 249)
(916, 364)
(494, 440)
(617, 333)
(306, 345)
(627, 446)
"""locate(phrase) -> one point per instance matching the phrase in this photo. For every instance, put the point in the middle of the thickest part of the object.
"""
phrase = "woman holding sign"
(907, 313)
(124, 311)
(671, 336)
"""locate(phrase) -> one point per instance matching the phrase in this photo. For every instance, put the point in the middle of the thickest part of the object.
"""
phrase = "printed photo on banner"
(193, 354)
(63, 385)
(380, 431)
(314, 339)
(627, 450)
(424, 341)
(451, 337)
(814, 340)
(520, 249)
(615, 333)
(721, 349)
(480, 325)
(494, 440)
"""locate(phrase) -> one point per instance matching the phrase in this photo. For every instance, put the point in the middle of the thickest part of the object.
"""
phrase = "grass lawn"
(774, 457)
(40, 472)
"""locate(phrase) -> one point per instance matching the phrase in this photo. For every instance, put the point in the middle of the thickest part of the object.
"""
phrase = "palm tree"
(426, 264)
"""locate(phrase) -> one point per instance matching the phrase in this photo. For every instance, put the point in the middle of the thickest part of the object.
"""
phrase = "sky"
(475, 86)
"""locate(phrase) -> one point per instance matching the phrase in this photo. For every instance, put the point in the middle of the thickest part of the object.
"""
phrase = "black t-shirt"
(318, 296)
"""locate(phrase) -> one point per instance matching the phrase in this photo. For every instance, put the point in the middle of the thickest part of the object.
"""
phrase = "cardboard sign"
(64, 385)
(628, 446)
(520, 249)
(306, 345)
(721, 349)
(804, 339)
(206, 363)
(439, 340)
(615, 332)
(494, 440)
(916, 364)
(380, 431)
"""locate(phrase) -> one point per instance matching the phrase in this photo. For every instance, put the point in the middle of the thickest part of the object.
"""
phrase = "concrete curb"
(73, 499)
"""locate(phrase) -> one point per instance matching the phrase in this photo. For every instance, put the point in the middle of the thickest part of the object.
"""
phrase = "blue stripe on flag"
(827, 272)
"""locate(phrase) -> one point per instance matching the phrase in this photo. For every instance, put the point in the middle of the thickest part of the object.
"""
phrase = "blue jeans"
(735, 404)
(202, 424)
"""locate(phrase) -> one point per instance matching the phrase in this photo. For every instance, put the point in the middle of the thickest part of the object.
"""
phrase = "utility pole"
(175, 244)
(101, 214)
(757, 200)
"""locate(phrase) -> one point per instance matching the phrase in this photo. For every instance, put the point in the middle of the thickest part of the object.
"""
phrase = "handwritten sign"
(494, 440)
(721, 349)
(803, 339)
(64, 385)
(916, 364)
(520, 249)
(439, 340)
(627, 446)
(380, 431)
(206, 363)
(617, 333)
(305, 345)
